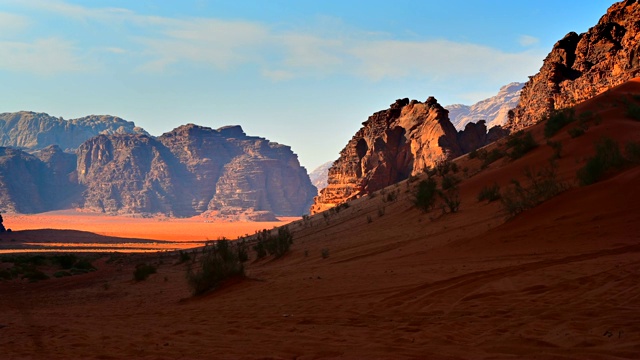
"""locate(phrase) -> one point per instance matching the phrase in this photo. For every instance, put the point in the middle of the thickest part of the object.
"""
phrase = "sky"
(301, 73)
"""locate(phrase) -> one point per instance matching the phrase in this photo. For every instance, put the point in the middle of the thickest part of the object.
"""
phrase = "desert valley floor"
(380, 278)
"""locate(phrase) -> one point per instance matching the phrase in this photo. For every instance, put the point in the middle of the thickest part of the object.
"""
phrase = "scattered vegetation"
(607, 157)
(31, 267)
(557, 149)
(520, 143)
(489, 193)
(143, 271)
(557, 120)
(449, 182)
(277, 245)
(425, 196)
(324, 253)
(576, 132)
(633, 110)
(217, 263)
(183, 257)
(541, 186)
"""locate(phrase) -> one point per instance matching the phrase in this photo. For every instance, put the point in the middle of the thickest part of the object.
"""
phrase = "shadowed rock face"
(392, 145)
(581, 66)
(30, 130)
(36, 183)
(193, 169)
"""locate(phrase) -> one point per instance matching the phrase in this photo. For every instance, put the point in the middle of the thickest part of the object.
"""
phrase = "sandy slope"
(559, 281)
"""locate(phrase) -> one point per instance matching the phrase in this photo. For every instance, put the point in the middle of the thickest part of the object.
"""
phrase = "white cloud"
(43, 56)
(527, 40)
(10, 23)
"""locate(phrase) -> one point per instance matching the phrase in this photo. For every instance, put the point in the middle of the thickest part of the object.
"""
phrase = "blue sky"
(301, 73)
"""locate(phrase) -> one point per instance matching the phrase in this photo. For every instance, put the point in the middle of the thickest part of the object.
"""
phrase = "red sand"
(559, 281)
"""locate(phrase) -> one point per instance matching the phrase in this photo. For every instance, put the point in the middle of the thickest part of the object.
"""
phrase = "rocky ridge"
(394, 144)
(494, 110)
(581, 66)
(32, 131)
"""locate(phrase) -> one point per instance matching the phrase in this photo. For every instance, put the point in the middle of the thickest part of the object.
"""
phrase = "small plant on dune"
(489, 193)
(425, 195)
(449, 181)
(324, 253)
(143, 271)
(277, 245)
(557, 120)
(541, 186)
(607, 157)
(632, 150)
(451, 199)
(183, 257)
(576, 132)
(241, 247)
(520, 143)
(633, 111)
(218, 263)
(557, 149)
(489, 157)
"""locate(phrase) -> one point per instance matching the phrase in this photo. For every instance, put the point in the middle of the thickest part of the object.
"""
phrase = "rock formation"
(36, 183)
(494, 110)
(193, 169)
(320, 175)
(391, 145)
(581, 66)
(30, 130)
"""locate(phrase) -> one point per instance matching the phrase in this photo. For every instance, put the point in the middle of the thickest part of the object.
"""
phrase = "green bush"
(520, 143)
(218, 263)
(489, 157)
(607, 157)
(542, 185)
(489, 193)
(557, 148)
(143, 271)
(277, 245)
(451, 200)
(575, 132)
(425, 195)
(449, 181)
(557, 120)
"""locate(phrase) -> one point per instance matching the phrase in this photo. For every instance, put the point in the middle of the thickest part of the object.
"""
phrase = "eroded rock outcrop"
(392, 145)
(494, 110)
(191, 170)
(31, 130)
(36, 183)
(582, 66)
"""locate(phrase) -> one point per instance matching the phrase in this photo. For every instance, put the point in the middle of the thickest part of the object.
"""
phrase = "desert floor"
(559, 281)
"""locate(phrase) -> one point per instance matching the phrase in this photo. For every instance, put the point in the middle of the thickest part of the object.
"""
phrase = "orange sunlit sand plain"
(381, 279)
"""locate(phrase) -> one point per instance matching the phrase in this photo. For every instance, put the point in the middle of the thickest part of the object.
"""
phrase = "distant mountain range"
(119, 168)
(492, 110)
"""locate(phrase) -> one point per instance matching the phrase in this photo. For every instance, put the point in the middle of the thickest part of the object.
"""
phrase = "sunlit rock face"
(582, 66)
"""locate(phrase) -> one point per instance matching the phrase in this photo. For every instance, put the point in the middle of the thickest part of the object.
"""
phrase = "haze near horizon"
(302, 74)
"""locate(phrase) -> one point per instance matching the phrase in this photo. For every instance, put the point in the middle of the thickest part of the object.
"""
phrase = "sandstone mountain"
(494, 110)
(191, 170)
(582, 66)
(320, 175)
(30, 130)
(394, 144)
(37, 182)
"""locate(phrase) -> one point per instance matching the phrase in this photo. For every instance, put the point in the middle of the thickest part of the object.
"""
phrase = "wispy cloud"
(527, 40)
(162, 42)
(10, 23)
(42, 57)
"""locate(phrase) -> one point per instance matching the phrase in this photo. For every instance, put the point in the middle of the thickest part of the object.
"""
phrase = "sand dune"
(558, 281)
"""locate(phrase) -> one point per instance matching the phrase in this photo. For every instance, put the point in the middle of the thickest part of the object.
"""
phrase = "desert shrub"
(369, 219)
(33, 275)
(489, 157)
(489, 193)
(557, 148)
(542, 185)
(633, 111)
(391, 197)
(520, 143)
(557, 120)
(381, 211)
(576, 132)
(183, 257)
(66, 261)
(61, 273)
(243, 254)
(425, 195)
(450, 199)
(444, 167)
(473, 154)
(84, 264)
(277, 245)
(449, 181)
(632, 150)
(218, 263)
(607, 157)
(324, 253)
(143, 271)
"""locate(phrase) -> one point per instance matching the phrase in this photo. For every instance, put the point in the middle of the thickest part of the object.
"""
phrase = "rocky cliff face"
(391, 145)
(494, 110)
(36, 183)
(320, 175)
(30, 130)
(581, 66)
(193, 169)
